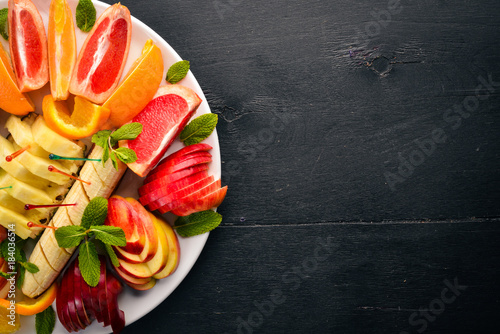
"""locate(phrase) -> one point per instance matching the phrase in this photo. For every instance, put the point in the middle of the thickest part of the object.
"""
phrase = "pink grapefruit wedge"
(103, 55)
(162, 119)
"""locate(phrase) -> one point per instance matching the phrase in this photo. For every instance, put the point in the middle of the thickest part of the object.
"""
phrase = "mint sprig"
(85, 15)
(21, 263)
(4, 30)
(177, 71)
(108, 139)
(90, 231)
(197, 223)
(198, 129)
(45, 321)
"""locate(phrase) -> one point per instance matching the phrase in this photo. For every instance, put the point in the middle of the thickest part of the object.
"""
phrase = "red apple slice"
(62, 306)
(172, 187)
(167, 199)
(136, 270)
(160, 179)
(87, 299)
(116, 316)
(103, 300)
(73, 313)
(207, 202)
(131, 280)
(167, 165)
(122, 214)
(159, 261)
(143, 287)
(77, 293)
(97, 294)
(190, 195)
(174, 250)
(149, 229)
(184, 151)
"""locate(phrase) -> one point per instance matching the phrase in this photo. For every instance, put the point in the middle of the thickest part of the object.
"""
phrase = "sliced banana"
(76, 195)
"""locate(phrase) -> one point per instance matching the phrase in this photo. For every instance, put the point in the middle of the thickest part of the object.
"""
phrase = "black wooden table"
(360, 142)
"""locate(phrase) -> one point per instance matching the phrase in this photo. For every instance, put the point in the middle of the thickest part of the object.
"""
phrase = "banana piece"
(35, 282)
(55, 257)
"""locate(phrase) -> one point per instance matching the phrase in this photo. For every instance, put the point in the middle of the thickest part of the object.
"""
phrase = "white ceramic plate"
(135, 304)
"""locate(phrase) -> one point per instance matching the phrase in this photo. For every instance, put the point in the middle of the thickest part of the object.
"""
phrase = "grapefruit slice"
(138, 87)
(103, 55)
(162, 119)
(62, 48)
(11, 98)
(28, 45)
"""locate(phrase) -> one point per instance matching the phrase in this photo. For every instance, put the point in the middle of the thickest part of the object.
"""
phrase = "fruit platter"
(110, 171)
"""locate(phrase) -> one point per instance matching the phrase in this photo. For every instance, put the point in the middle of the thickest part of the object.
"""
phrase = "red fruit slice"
(171, 187)
(62, 306)
(103, 55)
(87, 298)
(177, 161)
(116, 316)
(28, 45)
(97, 294)
(183, 151)
(166, 178)
(162, 119)
(166, 198)
(71, 299)
(187, 197)
(79, 305)
(207, 202)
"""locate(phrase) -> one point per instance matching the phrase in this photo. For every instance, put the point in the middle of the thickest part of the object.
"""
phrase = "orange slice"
(5, 326)
(103, 55)
(30, 306)
(86, 119)
(28, 45)
(62, 48)
(138, 87)
(11, 98)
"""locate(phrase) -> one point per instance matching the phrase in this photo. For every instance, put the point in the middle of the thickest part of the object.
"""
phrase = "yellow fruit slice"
(11, 98)
(31, 306)
(138, 87)
(5, 326)
(86, 119)
(62, 48)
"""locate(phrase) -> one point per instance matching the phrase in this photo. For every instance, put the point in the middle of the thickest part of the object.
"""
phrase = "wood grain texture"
(316, 106)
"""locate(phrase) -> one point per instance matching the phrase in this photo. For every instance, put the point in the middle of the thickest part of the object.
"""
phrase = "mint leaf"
(177, 71)
(30, 267)
(105, 155)
(45, 321)
(101, 138)
(89, 264)
(95, 213)
(70, 236)
(4, 29)
(113, 160)
(20, 275)
(128, 131)
(112, 255)
(110, 235)
(85, 15)
(198, 129)
(5, 275)
(126, 155)
(197, 223)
